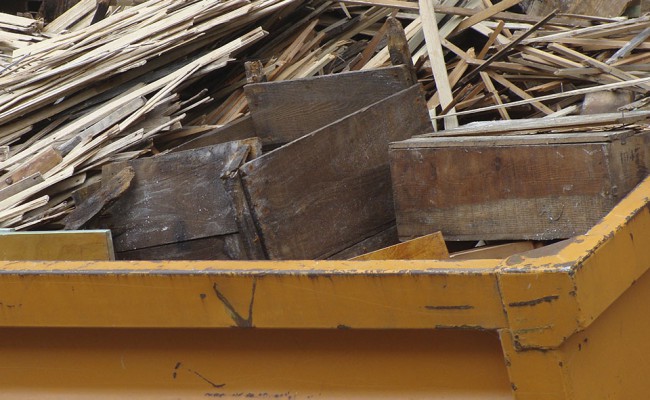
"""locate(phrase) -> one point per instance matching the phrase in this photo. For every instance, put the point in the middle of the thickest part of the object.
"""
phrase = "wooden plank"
(428, 247)
(603, 8)
(284, 111)
(250, 239)
(437, 59)
(173, 197)
(485, 14)
(108, 193)
(527, 192)
(71, 16)
(515, 140)
(568, 93)
(226, 247)
(56, 246)
(468, 12)
(240, 129)
(398, 47)
(334, 181)
(498, 252)
(40, 163)
(21, 185)
(385, 238)
(543, 124)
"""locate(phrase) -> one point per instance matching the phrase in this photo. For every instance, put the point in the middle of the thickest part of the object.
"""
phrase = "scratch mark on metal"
(464, 307)
(215, 385)
(239, 320)
(530, 303)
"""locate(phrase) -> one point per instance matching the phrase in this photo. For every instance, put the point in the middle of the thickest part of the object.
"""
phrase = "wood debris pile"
(102, 85)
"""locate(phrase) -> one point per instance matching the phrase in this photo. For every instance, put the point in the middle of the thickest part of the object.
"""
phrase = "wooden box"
(541, 187)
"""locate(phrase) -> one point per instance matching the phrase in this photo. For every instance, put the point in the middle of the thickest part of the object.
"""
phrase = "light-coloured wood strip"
(437, 58)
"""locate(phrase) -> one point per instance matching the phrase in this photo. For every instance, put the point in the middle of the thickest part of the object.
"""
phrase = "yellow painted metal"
(384, 295)
(607, 360)
(251, 364)
(57, 246)
(544, 303)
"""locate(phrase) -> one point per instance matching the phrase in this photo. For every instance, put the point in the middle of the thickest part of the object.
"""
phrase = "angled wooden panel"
(331, 189)
(173, 198)
(240, 129)
(284, 111)
(428, 247)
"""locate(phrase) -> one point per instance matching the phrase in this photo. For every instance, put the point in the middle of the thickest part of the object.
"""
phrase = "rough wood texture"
(514, 191)
(173, 198)
(226, 247)
(285, 111)
(241, 129)
(500, 251)
(385, 238)
(109, 192)
(602, 8)
(428, 247)
(331, 189)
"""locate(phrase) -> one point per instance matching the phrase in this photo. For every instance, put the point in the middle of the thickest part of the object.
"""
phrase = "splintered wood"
(108, 83)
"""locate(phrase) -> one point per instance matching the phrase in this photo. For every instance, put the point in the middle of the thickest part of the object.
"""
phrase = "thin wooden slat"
(437, 59)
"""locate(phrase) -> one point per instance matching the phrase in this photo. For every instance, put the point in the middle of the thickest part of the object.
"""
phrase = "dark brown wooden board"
(173, 198)
(108, 193)
(385, 238)
(240, 129)
(520, 191)
(286, 110)
(331, 189)
(226, 247)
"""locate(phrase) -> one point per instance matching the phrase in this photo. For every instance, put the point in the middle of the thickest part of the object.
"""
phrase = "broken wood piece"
(500, 251)
(485, 14)
(174, 197)
(428, 247)
(398, 47)
(108, 193)
(41, 163)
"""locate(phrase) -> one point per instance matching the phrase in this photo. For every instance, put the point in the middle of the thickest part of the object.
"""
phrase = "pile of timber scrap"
(100, 86)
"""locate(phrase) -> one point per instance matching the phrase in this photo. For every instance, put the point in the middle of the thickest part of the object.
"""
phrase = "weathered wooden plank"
(240, 129)
(387, 237)
(603, 8)
(428, 247)
(515, 140)
(513, 192)
(330, 189)
(109, 192)
(226, 247)
(173, 197)
(284, 111)
(500, 251)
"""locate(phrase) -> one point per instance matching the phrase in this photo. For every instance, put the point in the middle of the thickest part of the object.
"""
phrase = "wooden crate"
(540, 187)
(327, 194)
